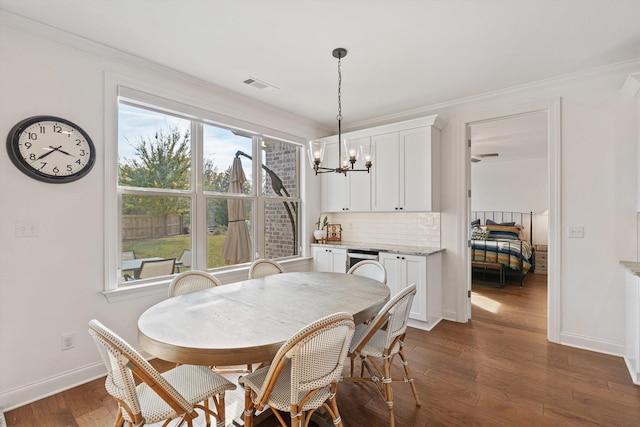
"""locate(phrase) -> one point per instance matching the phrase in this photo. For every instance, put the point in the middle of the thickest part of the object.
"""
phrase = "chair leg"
(332, 406)
(388, 390)
(409, 377)
(248, 408)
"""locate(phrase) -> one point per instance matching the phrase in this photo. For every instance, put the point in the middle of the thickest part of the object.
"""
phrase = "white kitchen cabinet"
(632, 325)
(333, 260)
(342, 193)
(407, 178)
(426, 272)
(405, 175)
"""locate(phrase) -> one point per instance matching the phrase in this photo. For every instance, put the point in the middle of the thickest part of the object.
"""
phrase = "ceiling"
(403, 54)
(519, 137)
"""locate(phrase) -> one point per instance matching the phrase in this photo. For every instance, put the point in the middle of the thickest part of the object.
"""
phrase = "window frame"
(199, 118)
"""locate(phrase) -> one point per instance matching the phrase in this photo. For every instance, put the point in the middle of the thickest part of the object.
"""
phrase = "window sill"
(231, 275)
(124, 293)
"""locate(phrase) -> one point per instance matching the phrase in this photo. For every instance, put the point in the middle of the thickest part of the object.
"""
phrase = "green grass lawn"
(172, 247)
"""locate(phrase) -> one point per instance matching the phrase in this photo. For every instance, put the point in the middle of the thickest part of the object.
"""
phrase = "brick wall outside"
(279, 234)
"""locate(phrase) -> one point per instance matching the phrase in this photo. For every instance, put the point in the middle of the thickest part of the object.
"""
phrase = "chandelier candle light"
(351, 149)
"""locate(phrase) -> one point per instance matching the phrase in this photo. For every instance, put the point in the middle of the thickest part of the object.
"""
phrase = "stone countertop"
(632, 266)
(399, 249)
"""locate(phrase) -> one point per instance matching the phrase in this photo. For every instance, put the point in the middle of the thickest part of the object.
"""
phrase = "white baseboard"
(450, 315)
(29, 393)
(586, 343)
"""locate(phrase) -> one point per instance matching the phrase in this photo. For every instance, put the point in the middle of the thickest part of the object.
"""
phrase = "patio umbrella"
(237, 244)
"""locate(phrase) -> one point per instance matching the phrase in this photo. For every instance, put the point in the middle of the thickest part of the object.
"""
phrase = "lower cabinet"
(426, 272)
(333, 260)
(632, 326)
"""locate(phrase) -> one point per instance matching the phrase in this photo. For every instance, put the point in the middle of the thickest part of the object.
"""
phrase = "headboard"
(523, 218)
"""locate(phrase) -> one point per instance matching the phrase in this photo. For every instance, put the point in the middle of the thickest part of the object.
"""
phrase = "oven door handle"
(362, 256)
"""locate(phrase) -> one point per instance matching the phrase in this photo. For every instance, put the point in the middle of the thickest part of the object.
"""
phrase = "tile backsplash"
(394, 228)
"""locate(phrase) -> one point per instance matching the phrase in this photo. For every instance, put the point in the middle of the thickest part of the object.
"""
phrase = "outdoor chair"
(377, 343)
(191, 281)
(303, 375)
(162, 267)
(158, 397)
(184, 261)
(371, 269)
(264, 267)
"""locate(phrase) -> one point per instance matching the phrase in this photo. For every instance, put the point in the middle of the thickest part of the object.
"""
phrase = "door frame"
(552, 107)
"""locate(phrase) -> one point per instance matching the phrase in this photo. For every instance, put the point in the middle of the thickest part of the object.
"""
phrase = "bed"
(501, 245)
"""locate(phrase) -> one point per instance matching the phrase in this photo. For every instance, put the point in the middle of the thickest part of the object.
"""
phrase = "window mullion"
(199, 206)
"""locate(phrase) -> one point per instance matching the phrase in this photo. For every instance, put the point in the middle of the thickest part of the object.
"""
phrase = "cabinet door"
(332, 260)
(322, 260)
(415, 268)
(393, 265)
(385, 173)
(339, 260)
(359, 197)
(334, 189)
(403, 270)
(415, 170)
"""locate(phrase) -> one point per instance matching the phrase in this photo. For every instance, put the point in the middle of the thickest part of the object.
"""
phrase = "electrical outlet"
(68, 341)
(26, 228)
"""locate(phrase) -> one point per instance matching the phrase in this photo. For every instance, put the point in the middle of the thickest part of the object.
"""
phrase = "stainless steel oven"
(354, 256)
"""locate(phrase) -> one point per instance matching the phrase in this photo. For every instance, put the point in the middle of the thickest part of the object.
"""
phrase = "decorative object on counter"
(334, 233)
(319, 234)
(351, 148)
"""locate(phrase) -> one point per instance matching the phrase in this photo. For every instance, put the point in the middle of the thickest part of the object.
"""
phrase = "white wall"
(51, 284)
(517, 185)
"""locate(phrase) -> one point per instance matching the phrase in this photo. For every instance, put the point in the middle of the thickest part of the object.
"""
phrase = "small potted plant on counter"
(320, 233)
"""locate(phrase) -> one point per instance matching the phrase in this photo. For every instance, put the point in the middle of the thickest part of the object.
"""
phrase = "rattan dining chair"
(303, 375)
(162, 267)
(191, 281)
(176, 393)
(377, 343)
(370, 268)
(264, 267)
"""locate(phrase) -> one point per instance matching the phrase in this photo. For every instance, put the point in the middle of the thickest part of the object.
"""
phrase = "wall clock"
(51, 149)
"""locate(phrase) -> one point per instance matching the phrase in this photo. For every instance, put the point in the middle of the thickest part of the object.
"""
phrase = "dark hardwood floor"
(497, 370)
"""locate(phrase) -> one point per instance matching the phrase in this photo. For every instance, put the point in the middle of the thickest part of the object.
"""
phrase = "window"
(206, 196)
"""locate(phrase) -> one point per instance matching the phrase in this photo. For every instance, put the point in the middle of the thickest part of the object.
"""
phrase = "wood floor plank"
(496, 370)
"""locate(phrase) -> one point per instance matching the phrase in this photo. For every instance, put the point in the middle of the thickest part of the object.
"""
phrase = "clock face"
(51, 149)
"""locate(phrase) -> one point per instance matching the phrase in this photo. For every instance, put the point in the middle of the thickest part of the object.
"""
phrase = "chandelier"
(348, 151)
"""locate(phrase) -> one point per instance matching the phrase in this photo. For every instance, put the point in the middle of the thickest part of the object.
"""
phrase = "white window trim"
(117, 89)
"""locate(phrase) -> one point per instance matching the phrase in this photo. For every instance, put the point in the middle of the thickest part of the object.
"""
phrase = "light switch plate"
(575, 232)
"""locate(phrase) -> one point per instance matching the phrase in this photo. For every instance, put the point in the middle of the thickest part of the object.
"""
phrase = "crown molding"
(487, 96)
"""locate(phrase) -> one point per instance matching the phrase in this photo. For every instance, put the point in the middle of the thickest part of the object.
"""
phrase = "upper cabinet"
(351, 193)
(405, 176)
(408, 178)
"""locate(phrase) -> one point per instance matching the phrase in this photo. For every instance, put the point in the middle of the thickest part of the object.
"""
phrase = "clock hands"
(58, 149)
(52, 150)
(47, 153)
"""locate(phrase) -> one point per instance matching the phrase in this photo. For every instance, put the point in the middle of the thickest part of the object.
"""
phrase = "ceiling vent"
(253, 82)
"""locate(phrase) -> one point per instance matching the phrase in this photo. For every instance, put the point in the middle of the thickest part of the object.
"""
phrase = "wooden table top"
(247, 321)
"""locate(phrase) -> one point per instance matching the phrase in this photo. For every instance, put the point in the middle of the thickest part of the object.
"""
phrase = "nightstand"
(540, 258)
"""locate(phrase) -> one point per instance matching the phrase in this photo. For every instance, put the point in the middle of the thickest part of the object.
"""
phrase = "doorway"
(509, 186)
(551, 109)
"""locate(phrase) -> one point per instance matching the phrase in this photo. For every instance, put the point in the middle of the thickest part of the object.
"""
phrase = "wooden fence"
(142, 227)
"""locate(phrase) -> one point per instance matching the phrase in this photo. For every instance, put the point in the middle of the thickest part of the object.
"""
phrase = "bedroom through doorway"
(509, 203)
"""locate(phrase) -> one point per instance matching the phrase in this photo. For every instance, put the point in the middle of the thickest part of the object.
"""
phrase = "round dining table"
(247, 322)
